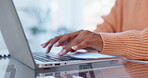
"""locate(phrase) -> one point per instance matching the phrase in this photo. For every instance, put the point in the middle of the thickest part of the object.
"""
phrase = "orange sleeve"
(132, 44)
(112, 22)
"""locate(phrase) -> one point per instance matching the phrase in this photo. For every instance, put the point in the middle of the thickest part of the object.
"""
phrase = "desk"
(11, 68)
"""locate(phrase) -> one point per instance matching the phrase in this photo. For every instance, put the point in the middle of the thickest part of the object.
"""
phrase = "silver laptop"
(18, 46)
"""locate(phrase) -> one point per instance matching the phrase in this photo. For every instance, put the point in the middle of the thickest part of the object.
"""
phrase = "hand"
(77, 40)
(60, 40)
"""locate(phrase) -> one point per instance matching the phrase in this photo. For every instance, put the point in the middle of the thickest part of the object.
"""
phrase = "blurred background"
(45, 19)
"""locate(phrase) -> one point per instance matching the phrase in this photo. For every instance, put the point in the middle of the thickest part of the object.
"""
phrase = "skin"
(71, 42)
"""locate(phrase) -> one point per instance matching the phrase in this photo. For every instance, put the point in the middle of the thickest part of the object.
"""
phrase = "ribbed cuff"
(115, 43)
(132, 44)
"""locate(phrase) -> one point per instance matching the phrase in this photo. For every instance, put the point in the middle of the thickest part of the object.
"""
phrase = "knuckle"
(79, 46)
(51, 40)
(81, 30)
(55, 38)
(86, 43)
(58, 37)
(77, 41)
(48, 41)
(61, 41)
(87, 31)
(67, 35)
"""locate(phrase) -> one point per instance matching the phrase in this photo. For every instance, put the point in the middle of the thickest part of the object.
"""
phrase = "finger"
(63, 52)
(67, 43)
(44, 45)
(66, 38)
(76, 41)
(83, 33)
(74, 48)
(67, 47)
(82, 45)
(63, 47)
(63, 40)
(52, 42)
(48, 49)
(48, 42)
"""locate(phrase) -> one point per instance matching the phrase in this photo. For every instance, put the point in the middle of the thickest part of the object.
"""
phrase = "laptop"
(18, 46)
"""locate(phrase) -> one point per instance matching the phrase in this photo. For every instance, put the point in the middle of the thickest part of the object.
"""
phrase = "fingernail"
(63, 51)
(74, 47)
(56, 44)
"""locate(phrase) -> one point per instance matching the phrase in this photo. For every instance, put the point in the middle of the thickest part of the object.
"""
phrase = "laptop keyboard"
(48, 58)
